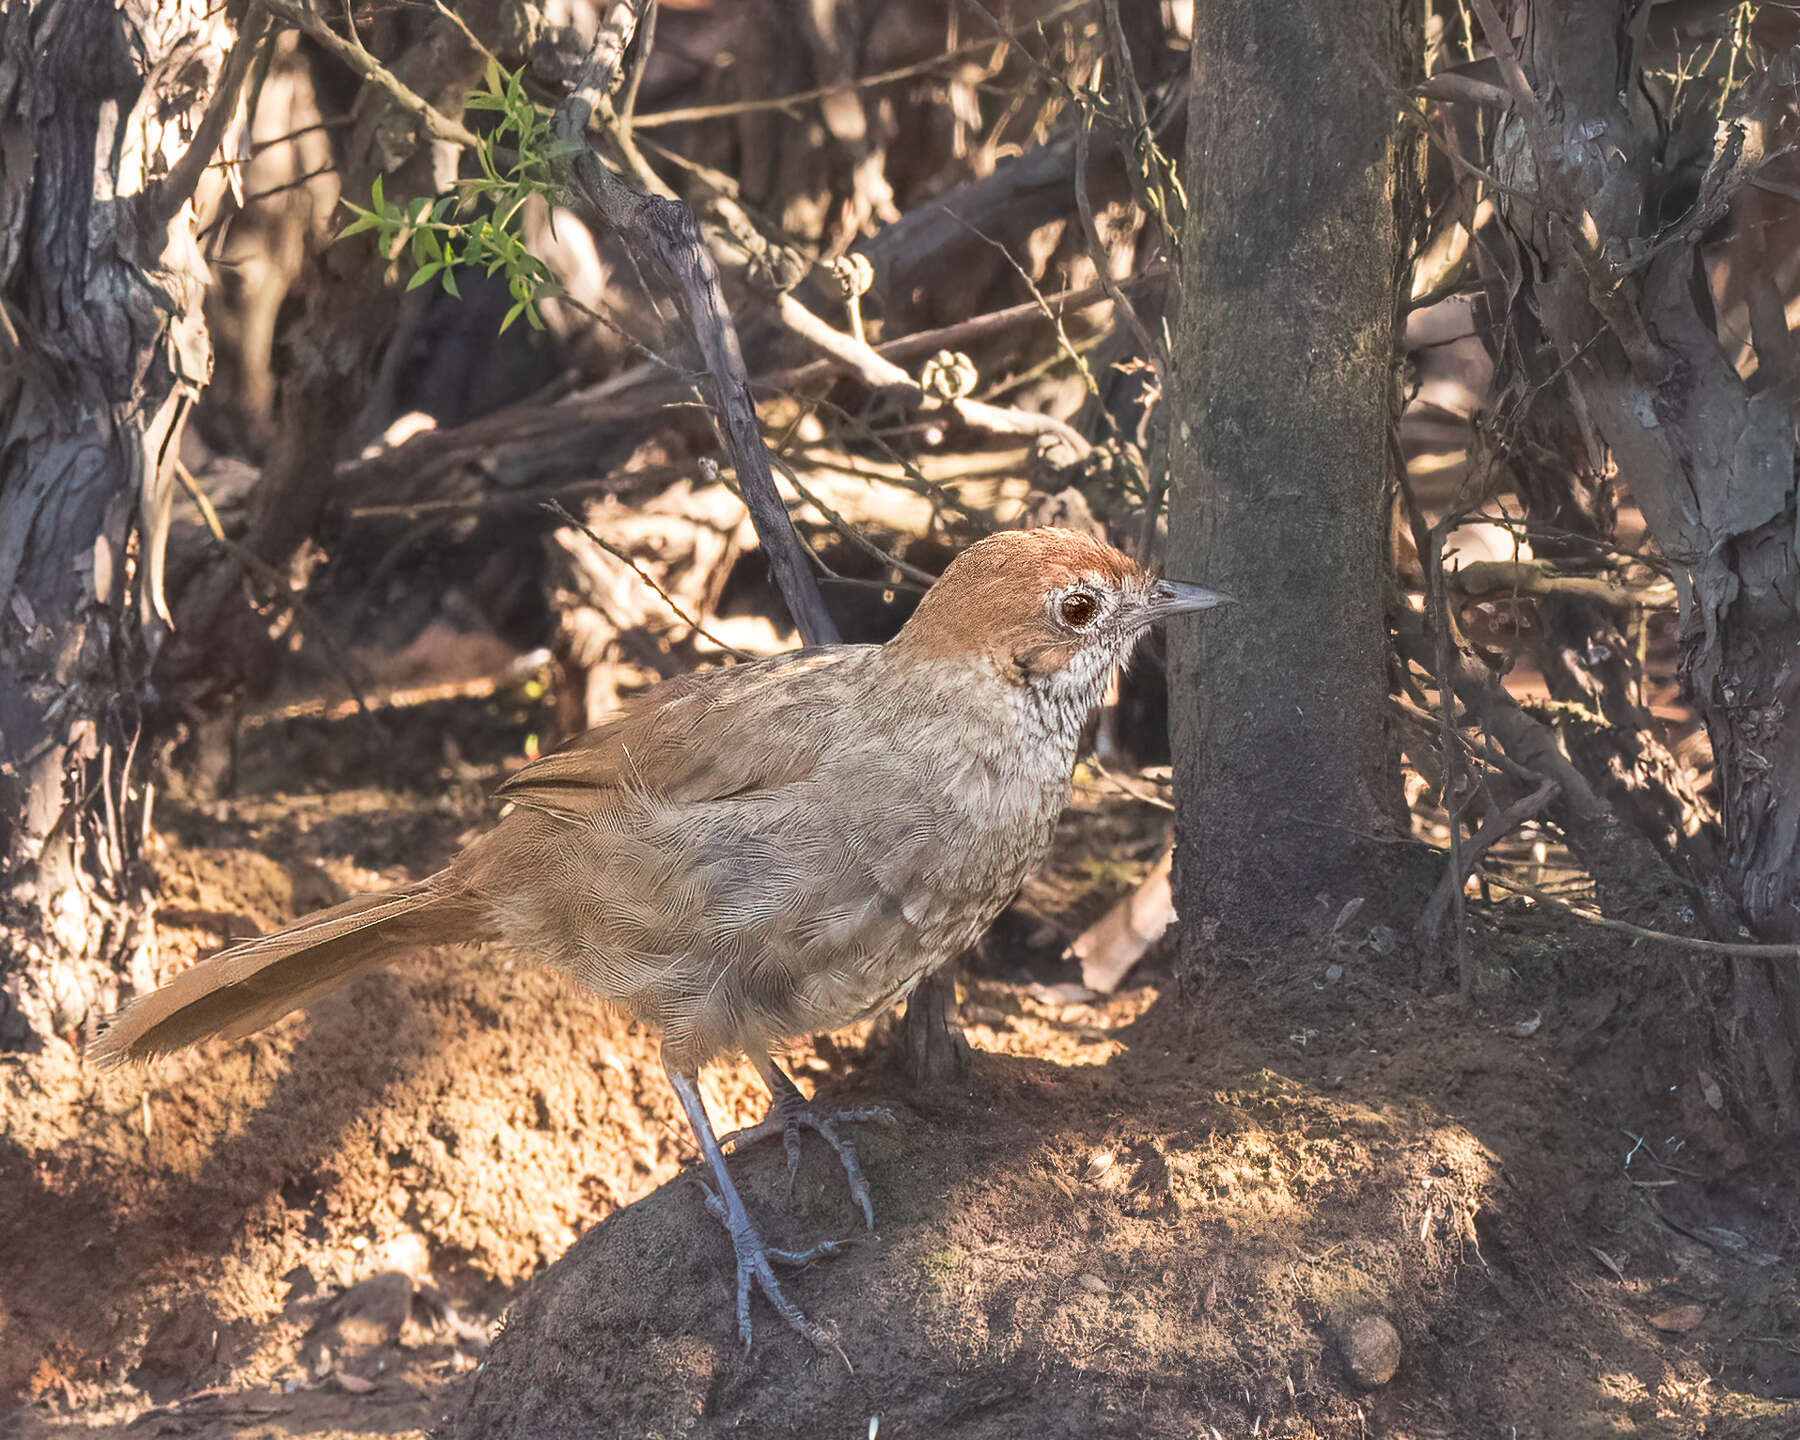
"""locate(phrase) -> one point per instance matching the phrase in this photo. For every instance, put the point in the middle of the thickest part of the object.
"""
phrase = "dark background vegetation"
(1454, 340)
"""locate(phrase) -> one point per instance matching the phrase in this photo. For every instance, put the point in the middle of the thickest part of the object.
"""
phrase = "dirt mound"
(1157, 1214)
(1168, 1239)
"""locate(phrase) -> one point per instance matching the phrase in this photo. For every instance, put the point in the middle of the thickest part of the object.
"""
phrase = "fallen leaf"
(1098, 1164)
(1608, 1261)
(1527, 1027)
(1709, 1087)
(351, 1384)
(1093, 1284)
(1680, 1318)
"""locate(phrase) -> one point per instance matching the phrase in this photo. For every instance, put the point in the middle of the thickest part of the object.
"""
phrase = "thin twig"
(1754, 950)
(1495, 829)
(179, 184)
(850, 532)
(372, 70)
(555, 507)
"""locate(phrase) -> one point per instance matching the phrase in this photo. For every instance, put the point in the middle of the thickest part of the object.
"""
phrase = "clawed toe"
(756, 1270)
(789, 1114)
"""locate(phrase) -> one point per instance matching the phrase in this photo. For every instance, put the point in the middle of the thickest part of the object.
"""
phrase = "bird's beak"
(1177, 597)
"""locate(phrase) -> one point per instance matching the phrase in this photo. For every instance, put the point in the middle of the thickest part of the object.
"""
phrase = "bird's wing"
(703, 736)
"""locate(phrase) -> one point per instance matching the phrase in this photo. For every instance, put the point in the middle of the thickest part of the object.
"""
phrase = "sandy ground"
(1165, 1213)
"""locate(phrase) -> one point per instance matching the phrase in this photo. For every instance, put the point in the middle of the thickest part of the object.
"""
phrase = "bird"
(757, 852)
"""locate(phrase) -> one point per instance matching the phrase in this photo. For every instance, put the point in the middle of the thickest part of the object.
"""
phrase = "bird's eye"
(1078, 608)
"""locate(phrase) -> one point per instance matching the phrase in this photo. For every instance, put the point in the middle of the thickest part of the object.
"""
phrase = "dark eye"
(1078, 608)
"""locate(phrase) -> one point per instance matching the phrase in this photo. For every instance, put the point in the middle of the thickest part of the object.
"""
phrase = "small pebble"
(1371, 1351)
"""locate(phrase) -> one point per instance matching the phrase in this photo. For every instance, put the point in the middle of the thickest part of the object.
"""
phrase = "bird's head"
(1056, 610)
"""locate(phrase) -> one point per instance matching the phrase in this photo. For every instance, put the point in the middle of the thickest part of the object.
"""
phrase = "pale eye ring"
(1078, 609)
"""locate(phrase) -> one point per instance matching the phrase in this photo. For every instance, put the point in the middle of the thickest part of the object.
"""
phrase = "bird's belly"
(775, 927)
(858, 971)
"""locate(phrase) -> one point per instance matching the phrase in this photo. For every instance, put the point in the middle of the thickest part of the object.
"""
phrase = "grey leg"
(755, 1261)
(789, 1114)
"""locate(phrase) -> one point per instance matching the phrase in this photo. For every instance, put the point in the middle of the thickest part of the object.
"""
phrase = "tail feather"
(242, 989)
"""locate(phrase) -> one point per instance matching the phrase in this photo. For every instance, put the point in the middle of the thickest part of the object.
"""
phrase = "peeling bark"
(1608, 204)
(103, 282)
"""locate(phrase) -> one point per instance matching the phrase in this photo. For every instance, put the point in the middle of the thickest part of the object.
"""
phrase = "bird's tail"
(253, 984)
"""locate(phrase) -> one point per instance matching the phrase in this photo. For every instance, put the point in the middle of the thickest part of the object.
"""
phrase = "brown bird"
(759, 852)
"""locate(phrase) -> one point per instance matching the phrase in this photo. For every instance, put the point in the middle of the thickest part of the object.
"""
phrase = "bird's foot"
(756, 1264)
(787, 1117)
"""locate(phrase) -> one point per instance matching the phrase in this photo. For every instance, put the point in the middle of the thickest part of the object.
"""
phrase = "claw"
(790, 1113)
(755, 1261)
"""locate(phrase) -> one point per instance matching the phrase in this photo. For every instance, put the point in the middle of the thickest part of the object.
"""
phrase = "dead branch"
(1747, 950)
(1493, 830)
(664, 231)
(1486, 578)
(372, 70)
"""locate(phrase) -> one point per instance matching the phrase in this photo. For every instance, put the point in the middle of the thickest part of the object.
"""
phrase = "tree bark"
(105, 119)
(1608, 214)
(1281, 459)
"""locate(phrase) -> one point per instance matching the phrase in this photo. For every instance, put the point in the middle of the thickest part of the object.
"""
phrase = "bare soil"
(1160, 1213)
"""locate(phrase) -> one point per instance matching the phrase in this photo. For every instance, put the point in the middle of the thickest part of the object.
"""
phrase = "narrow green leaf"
(511, 315)
(423, 274)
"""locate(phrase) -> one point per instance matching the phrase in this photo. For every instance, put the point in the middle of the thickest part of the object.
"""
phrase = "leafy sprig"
(476, 223)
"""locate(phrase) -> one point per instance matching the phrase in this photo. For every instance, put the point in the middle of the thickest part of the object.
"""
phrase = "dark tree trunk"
(1608, 228)
(1282, 459)
(102, 316)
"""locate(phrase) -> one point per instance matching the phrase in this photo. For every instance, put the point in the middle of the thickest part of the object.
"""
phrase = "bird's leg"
(790, 1113)
(755, 1261)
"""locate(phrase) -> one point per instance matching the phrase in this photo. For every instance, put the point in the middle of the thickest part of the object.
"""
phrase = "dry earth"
(1159, 1214)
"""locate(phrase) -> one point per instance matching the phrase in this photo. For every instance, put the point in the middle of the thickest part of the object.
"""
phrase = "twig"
(882, 374)
(627, 107)
(1128, 789)
(850, 532)
(555, 507)
(666, 231)
(179, 184)
(1495, 829)
(280, 590)
(372, 70)
(1754, 950)
(1084, 206)
(1063, 343)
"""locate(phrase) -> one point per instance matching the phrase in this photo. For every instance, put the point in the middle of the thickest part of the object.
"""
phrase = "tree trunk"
(1613, 202)
(102, 108)
(1282, 459)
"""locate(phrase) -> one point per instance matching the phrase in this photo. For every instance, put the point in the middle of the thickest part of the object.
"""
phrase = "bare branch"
(666, 232)
(372, 70)
(162, 203)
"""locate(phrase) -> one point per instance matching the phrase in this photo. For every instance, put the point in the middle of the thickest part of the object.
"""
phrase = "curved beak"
(1177, 597)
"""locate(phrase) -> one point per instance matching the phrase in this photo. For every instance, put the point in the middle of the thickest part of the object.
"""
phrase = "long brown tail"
(253, 984)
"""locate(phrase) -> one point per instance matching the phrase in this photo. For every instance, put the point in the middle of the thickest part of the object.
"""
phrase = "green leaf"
(450, 282)
(512, 315)
(375, 196)
(424, 273)
(365, 220)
